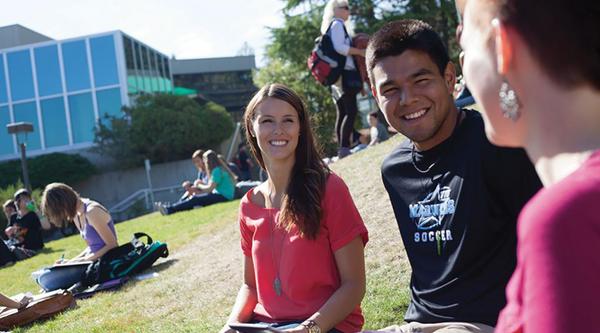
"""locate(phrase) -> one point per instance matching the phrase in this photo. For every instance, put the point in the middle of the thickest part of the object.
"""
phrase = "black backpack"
(126, 260)
(324, 63)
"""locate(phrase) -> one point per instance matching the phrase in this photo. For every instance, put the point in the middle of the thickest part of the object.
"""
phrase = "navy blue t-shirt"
(458, 221)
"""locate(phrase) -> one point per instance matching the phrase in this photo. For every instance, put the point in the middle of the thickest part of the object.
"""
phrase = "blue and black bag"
(126, 260)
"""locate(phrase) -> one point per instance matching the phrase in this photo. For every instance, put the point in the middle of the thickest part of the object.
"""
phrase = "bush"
(162, 128)
(45, 169)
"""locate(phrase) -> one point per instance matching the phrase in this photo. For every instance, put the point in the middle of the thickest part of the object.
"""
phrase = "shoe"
(163, 210)
(343, 152)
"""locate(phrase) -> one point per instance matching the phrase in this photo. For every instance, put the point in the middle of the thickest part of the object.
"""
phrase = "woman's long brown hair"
(301, 204)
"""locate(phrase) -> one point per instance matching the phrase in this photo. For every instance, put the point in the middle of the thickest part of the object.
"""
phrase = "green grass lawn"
(197, 284)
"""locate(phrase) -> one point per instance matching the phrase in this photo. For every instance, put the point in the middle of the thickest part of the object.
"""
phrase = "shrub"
(45, 169)
(162, 128)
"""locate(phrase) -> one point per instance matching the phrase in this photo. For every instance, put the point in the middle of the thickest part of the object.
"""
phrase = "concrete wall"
(112, 187)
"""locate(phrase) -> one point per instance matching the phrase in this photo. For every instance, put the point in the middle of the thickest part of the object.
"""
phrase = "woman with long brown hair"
(301, 234)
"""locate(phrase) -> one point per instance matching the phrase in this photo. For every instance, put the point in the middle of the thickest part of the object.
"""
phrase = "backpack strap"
(138, 235)
(343, 26)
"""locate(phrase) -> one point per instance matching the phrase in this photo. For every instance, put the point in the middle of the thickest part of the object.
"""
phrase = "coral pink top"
(306, 268)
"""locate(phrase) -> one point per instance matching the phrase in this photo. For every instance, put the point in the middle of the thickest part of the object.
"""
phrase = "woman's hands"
(24, 302)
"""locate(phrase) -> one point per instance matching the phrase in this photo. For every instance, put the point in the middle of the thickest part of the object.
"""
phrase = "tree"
(291, 44)
(162, 128)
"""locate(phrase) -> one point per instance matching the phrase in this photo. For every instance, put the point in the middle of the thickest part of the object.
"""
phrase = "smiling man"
(455, 196)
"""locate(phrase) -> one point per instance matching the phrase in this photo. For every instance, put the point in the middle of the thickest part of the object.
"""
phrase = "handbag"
(42, 306)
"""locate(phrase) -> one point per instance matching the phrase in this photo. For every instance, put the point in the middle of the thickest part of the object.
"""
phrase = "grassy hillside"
(197, 284)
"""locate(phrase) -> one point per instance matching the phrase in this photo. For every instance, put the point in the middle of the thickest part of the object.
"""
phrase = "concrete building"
(65, 87)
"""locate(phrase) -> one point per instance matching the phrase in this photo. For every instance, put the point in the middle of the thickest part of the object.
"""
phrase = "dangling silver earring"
(509, 102)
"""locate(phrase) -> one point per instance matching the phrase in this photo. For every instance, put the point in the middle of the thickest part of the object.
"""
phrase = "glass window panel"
(3, 94)
(76, 65)
(145, 59)
(167, 68)
(83, 121)
(132, 84)
(47, 70)
(104, 61)
(147, 83)
(109, 102)
(55, 122)
(128, 53)
(6, 140)
(21, 76)
(28, 112)
(154, 70)
(140, 66)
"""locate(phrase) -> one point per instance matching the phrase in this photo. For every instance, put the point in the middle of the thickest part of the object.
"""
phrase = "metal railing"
(140, 202)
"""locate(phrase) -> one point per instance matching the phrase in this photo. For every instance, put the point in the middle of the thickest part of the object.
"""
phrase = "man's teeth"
(415, 114)
(278, 142)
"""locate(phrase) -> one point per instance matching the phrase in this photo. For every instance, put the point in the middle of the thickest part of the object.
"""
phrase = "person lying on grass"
(301, 234)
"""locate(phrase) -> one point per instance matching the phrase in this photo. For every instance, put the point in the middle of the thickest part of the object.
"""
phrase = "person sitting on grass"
(378, 131)
(191, 187)
(8, 302)
(302, 237)
(455, 196)
(220, 187)
(61, 203)
(10, 211)
(29, 227)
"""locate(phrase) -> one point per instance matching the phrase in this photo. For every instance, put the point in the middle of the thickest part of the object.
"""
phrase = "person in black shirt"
(28, 222)
(455, 196)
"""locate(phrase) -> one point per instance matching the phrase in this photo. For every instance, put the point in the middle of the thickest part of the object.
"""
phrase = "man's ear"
(504, 46)
(450, 76)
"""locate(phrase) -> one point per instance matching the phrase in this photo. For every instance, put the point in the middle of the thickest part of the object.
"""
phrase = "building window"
(83, 121)
(154, 72)
(47, 70)
(6, 140)
(128, 53)
(104, 61)
(3, 94)
(28, 112)
(21, 76)
(76, 65)
(55, 122)
(109, 102)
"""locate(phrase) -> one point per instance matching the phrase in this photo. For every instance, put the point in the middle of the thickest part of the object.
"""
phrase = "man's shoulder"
(399, 155)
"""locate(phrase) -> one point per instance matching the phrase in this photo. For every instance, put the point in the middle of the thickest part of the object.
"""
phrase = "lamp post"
(16, 129)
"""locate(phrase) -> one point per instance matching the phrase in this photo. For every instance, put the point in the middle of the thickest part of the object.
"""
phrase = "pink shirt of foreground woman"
(535, 68)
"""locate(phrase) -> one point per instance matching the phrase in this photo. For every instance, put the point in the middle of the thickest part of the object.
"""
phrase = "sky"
(184, 28)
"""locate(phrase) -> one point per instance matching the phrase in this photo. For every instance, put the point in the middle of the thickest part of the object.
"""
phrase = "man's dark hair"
(398, 36)
(570, 51)
(374, 114)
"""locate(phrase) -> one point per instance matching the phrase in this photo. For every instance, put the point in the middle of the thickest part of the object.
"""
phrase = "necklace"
(413, 149)
(414, 161)
(276, 280)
